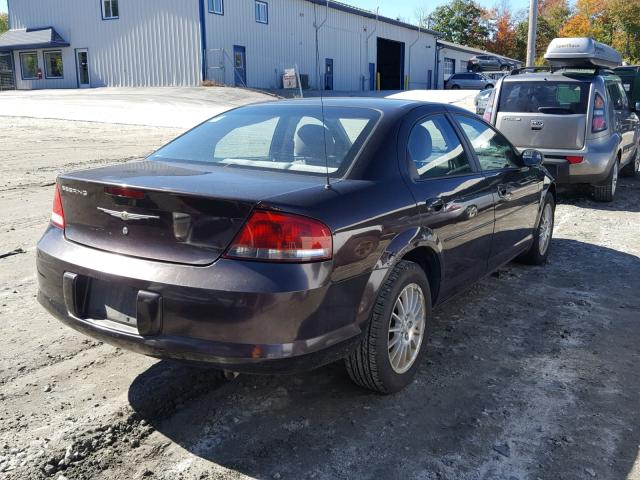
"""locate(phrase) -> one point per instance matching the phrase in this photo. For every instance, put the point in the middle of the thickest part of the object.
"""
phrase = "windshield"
(544, 97)
(289, 137)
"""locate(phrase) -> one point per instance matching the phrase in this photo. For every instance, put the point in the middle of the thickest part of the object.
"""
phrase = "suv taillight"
(57, 214)
(282, 237)
(599, 119)
(488, 110)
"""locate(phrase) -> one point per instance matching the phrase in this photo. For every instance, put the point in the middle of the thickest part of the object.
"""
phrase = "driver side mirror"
(637, 107)
(532, 158)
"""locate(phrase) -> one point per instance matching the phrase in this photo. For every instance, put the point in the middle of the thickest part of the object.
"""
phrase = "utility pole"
(533, 26)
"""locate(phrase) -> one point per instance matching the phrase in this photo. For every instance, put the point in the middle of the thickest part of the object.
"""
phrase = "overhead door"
(7, 76)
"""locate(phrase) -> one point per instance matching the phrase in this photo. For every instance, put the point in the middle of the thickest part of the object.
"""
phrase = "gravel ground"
(532, 374)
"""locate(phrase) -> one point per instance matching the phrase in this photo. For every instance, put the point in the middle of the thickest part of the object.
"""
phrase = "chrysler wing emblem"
(126, 216)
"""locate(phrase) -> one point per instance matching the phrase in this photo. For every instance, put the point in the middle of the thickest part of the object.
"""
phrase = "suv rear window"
(544, 97)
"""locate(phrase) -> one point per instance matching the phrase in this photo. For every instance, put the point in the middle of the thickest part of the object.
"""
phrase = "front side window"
(29, 65)
(53, 64)
(286, 138)
(435, 150)
(493, 150)
(216, 6)
(262, 12)
(110, 9)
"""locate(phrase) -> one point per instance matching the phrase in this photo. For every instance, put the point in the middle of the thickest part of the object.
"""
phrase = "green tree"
(4, 22)
(462, 21)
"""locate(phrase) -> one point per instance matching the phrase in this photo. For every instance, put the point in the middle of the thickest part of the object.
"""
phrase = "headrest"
(420, 144)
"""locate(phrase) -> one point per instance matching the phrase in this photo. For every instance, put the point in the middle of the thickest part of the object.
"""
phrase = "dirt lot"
(533, 374)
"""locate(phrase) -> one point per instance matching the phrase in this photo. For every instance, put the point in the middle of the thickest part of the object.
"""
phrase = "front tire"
(389, 354)
(539, 251)
(606, 192)
(455, 87)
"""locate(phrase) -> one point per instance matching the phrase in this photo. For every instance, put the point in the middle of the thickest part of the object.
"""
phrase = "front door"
(328, 74)
(239, 66)
(82, 67)
(7, 75)
(516, 188)
(455, 200)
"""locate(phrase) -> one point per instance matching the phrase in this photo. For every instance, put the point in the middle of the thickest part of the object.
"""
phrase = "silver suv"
(581, 121)
(469, 81)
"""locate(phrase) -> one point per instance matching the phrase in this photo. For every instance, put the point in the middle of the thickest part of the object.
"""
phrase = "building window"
(53, 64)
(29, 65)
(262, 12)
(449, 66)
(110, 9)
(216, 6)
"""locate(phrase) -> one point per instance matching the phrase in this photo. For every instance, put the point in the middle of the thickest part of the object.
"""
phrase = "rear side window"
(292, 138)
(617, 96)
(544, 97)
(435, 150)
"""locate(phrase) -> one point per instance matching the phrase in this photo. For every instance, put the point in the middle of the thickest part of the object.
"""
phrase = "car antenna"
(320, 88)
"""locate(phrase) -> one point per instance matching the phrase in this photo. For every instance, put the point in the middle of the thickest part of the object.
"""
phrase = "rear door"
(454, 198)
(515, 188)
(544, 113)
(625, 119)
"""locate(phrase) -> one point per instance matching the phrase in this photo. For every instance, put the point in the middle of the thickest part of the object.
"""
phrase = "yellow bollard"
(378, 82)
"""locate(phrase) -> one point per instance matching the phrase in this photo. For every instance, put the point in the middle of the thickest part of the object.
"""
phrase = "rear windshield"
(544, 97)
(294, 138)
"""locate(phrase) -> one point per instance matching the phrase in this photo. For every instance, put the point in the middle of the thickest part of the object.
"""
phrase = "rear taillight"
(282, 237)
(488, 110)
(57, 214)
(573, 159)
(599, 120)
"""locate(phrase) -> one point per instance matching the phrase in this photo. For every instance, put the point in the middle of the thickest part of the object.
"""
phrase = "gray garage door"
(7, 77)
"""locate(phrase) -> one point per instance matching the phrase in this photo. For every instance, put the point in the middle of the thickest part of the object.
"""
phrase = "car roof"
(379, 103)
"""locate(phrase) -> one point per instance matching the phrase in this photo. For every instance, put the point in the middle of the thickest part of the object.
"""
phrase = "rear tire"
(539, 251)
(632, 169)
(378, 362)
(606, 192)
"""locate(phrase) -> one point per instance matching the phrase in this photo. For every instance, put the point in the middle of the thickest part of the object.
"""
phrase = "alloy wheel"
(406, 328)
(546, 229)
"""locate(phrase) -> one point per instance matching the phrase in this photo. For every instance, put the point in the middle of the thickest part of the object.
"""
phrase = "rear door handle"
(504, 192)
(435, 205)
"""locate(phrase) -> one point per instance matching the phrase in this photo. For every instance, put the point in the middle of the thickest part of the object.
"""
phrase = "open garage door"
(7, 75)
(390, 64)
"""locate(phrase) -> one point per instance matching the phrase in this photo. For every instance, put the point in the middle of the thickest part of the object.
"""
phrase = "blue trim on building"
(203, 39)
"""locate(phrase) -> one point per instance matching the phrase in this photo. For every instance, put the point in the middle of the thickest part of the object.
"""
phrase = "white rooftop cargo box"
(581, 52)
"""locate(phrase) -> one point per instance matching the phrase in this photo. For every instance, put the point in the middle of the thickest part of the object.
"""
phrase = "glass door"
(82, 66)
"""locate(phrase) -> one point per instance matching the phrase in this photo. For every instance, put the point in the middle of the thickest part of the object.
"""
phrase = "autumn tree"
(462, 21)
(502, 41)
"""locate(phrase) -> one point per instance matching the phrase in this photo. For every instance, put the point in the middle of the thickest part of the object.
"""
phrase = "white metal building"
(453, 58)
(94, 43)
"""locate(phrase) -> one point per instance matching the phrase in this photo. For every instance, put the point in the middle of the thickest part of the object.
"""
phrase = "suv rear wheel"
(389, 354)
(632, 168)
(606, 192)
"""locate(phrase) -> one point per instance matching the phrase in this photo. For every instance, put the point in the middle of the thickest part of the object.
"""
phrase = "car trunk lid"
(168, 212)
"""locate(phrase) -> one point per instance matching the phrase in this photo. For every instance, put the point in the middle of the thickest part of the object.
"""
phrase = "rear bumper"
(598, 158)
(243, 316)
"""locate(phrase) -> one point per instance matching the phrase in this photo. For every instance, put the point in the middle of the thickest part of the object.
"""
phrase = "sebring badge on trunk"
(126, 216)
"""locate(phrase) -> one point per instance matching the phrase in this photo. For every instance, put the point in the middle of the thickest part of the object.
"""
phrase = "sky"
(397, 8)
